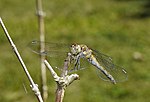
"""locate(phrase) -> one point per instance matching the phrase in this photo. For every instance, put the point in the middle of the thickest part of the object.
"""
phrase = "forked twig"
(63, 81)
(33, 85)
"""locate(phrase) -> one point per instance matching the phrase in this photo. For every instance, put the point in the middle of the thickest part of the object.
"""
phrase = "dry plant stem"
(61, 90)
(56, 78)
(33, 85)
(41, 15)
(63, 81)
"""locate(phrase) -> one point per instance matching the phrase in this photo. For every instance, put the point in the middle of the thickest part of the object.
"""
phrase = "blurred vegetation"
(119, 28)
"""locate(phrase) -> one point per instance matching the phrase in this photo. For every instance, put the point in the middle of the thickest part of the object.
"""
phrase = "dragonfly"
(106, 69)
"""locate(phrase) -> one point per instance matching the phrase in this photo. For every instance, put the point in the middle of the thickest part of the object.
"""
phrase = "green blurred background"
(119, 28)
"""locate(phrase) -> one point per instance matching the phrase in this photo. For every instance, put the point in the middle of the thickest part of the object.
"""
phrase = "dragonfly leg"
(76, 60)
(77, 63)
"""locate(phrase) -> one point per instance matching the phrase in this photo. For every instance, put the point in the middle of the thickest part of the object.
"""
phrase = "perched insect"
(107, 70)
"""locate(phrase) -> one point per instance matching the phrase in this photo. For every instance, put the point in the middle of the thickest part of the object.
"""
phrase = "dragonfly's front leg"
(75, 60)
(77, 63)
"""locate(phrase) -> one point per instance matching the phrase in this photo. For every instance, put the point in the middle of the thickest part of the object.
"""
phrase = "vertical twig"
(41, 15)
(33, 85)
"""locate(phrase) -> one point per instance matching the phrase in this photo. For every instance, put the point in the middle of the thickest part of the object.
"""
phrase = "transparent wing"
(55, 52)
(51, 49)
(100, 55)
(118, 73)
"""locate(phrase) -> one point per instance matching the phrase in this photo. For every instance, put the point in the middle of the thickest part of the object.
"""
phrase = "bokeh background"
(119, 28)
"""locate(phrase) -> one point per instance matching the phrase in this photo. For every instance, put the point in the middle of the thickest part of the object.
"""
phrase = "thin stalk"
(40, 15)
(32, 84)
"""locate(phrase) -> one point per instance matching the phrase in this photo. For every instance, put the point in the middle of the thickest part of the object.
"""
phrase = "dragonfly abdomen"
(95, 63)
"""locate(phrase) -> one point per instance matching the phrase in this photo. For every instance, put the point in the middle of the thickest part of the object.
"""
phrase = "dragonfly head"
(75, 49)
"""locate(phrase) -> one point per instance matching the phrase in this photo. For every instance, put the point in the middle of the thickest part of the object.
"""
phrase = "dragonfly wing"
(117, 72)
(51, 49)
(56, 52)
